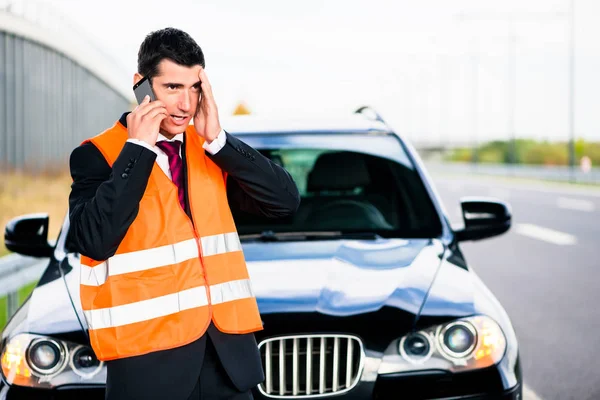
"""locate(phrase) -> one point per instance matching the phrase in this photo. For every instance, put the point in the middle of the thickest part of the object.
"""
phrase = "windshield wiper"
(271, 236)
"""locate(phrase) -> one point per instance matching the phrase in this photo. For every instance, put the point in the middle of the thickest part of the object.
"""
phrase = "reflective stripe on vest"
(166, 305)
(219, 244)
(141, 260)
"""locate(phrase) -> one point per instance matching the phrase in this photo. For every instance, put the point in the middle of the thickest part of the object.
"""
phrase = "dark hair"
(168, 43)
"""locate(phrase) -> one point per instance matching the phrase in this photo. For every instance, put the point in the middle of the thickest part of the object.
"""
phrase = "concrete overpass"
(56, 88)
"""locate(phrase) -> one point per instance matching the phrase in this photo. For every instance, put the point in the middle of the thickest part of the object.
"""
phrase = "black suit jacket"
(103, 203)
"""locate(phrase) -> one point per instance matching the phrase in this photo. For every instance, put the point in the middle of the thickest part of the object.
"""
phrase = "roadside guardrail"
(17, 271)
(539, 172)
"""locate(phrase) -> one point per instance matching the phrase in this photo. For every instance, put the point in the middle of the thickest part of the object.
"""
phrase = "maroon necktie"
(175, 165)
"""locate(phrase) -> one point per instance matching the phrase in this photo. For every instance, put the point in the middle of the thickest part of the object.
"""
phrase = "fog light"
(45, 356)
(415, 347)
(458, 339)
(84, 362)
(85, 358)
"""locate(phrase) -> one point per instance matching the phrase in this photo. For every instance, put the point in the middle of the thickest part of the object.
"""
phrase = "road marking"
(500, 193)
(545, 234)
(529, 394)
(575, 204)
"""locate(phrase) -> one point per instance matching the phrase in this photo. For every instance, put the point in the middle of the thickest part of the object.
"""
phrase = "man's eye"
(172, 87)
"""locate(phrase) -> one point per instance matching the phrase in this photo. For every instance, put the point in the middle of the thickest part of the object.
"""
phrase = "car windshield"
(361, 184)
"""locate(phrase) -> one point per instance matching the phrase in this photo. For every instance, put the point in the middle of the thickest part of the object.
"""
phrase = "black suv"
(364, 292)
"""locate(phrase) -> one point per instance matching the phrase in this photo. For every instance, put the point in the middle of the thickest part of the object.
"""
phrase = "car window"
(349, 190)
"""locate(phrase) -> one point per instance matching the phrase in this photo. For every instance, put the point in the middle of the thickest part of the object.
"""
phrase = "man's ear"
(136, 78)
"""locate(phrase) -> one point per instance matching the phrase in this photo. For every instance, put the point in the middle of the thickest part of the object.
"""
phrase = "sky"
(435, 70)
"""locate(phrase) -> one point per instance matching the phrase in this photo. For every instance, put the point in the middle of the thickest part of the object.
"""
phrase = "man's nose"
(185, 101)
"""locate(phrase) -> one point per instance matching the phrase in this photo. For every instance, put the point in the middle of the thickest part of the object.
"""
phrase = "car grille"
(310, 365)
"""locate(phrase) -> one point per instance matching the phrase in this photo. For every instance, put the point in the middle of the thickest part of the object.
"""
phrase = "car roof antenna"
(370, 113)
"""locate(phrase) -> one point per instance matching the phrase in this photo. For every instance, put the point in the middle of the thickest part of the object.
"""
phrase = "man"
(164, 285)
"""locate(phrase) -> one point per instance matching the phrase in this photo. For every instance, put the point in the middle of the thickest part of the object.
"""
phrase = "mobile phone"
(143, 88)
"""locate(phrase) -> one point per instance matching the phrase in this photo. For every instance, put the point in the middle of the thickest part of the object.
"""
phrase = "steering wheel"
(349, 214)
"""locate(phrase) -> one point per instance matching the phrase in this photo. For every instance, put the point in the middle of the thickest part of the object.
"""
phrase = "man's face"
(179, 88)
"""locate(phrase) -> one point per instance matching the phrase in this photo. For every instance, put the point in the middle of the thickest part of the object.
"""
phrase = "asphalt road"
(546, 273)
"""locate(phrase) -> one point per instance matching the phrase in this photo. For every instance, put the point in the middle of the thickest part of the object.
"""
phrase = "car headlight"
(464, 344)
(44, 362)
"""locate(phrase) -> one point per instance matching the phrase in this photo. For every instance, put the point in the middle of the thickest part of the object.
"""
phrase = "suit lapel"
(185, 178)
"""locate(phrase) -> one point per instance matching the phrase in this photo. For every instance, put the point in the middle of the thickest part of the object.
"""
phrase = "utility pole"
(510, 19)
(512, 88)
(475, 100)
(441, 67)
(572, 88)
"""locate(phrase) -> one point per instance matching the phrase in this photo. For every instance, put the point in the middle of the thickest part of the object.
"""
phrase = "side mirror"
(483, 218)
(28, 235)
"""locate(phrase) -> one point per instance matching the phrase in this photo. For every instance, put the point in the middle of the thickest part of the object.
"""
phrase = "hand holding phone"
(143, 123)
(142, 89)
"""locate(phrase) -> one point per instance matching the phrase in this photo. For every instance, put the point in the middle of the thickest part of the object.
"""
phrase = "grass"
(3, 304)
(528, 151)
(22, 193)
(23, 293)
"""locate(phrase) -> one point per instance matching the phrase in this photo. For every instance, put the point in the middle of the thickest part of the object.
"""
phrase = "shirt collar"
(123, 121)
(179, 137)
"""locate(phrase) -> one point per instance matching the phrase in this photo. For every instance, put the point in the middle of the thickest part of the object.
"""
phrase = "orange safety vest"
(169, 277)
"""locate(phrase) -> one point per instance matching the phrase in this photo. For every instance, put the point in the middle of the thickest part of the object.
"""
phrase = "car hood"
(328, 278)
(50, 310)
(342, 277)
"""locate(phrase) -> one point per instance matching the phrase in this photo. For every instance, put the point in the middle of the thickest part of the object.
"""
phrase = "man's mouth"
(178, 117)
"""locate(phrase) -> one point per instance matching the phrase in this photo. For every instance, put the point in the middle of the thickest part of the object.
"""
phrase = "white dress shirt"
(163, 160)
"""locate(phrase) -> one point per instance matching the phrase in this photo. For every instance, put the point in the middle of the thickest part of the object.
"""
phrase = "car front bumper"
(493, 383)
(369, 390)
(66, 393)
(366, 390)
